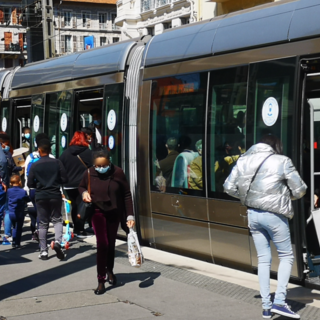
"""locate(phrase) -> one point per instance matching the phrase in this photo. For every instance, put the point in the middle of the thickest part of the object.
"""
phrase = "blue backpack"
(32, 160)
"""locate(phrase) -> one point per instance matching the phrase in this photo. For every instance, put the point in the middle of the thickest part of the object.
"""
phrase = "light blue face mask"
(6, 148)
(103, 170)
(97, 122)
(27, 135)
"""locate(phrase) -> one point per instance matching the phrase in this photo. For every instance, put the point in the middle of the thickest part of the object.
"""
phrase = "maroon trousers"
(105, 226)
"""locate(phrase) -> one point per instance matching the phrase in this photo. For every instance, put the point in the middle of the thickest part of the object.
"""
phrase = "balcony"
(147, 5)
(11, 48)
(103, 26)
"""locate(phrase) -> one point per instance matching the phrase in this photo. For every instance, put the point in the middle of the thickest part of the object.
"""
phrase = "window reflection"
(227, 122)
(177, 130)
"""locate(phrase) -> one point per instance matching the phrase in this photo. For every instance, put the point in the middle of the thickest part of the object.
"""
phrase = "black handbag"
(86, 209)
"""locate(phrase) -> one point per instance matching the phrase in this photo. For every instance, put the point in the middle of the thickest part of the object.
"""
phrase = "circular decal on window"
(4, 124)
(36, 123)
(270, 111)
(63, 141)
(111, 142)
(111, 120)
(63, 122)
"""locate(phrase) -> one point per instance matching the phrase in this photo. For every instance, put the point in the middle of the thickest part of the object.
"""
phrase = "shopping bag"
(134, 250)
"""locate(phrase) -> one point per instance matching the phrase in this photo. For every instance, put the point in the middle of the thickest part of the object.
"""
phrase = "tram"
(221, 84)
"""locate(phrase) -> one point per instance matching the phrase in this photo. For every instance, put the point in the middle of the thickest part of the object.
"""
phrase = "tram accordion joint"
(135, 255)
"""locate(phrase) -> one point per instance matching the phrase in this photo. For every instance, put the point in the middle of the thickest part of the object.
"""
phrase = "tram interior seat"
(181, 169)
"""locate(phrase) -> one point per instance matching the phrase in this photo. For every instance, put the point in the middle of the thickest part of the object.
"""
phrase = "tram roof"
(102, 60)
(269, 24)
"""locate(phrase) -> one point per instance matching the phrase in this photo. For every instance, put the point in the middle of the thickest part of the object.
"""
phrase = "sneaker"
(266, 314)
(16, 246)
(9, 239)
(284, 311)
(57, 248)
(43, 255)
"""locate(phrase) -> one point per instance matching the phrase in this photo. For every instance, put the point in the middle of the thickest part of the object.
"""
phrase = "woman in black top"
(76, 159)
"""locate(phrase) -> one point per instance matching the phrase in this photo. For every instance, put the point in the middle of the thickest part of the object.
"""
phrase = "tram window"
(227, 125)
(177, 132)
(271, 84)
(58, 126)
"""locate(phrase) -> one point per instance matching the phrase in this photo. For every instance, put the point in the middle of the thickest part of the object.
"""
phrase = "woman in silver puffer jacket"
(266, 182)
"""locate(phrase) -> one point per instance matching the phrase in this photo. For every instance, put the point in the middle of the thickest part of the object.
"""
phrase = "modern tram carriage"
(224, 82)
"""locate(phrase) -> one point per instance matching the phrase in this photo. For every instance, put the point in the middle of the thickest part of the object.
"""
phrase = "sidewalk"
(167, 286)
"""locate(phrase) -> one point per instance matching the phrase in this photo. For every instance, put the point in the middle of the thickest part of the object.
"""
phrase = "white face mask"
(103, 170)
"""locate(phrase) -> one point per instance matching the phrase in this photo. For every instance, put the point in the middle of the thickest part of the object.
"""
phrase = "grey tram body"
(200, 226)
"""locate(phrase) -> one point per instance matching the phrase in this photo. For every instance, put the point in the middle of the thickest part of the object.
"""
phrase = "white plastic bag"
(134, 250)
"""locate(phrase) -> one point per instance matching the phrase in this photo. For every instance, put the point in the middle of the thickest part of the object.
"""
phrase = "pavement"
(166, 287)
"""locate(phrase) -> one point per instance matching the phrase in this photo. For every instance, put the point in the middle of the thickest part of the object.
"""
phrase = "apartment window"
(67, 15)
(113, 18)
(102, 21)
(115, 39)
(7, 14)
(103, 41)
(68, 43)
(86, 19)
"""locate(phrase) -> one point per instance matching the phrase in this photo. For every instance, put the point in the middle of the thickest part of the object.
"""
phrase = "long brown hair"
(273, 142)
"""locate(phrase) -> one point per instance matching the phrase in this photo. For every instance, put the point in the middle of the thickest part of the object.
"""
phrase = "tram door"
(59, 121)
(21, 123)
(311, 164)
(37, 118)
(6, 116)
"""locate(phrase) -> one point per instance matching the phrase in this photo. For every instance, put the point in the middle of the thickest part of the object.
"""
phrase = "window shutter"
(1, 15)
(75, 44)
(81, 43)
(19, 15)
(94, 42)
(14, 16)
(62, 44)
(74, 21)
(21, 41)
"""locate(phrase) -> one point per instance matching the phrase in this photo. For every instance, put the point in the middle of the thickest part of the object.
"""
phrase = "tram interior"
(87, 102)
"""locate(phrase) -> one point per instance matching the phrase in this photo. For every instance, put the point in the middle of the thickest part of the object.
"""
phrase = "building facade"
(141, 17)
(83, 24)
(13, 49)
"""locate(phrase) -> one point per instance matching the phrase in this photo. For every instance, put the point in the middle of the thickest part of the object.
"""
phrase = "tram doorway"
(311, 163)
(89, 113)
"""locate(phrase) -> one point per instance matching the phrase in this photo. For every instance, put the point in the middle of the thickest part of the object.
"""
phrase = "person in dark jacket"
(76, 159)
(17, 198)
(112, 201)
(166, 165)
(47, 175)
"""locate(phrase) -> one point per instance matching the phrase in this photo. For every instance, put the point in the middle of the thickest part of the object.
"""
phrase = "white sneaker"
(9, 239)
(43, 255)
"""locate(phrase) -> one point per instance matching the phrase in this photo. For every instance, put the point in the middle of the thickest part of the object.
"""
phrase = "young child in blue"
(17, 198)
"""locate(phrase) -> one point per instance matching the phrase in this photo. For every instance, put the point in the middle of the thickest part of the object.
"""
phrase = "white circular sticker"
(111, 120)
(270, 111)
(36, 123)
(63, 122)
(111, 142)
(4, 124)
(63, 141)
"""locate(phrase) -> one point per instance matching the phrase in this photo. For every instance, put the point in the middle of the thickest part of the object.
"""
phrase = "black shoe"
(57, 248)
(16, 246)
(100, 291)
(113, 282)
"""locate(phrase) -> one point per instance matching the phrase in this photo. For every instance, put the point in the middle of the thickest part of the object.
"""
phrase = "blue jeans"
(3, 198)
(266, 226)
(7, 224)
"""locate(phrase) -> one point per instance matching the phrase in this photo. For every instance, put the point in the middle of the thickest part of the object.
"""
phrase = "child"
(16, 197)
(26, 133)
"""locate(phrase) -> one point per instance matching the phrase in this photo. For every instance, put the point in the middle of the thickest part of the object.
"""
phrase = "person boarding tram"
(266, 182)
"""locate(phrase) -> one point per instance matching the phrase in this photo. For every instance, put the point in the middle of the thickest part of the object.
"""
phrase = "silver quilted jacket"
(275, 185)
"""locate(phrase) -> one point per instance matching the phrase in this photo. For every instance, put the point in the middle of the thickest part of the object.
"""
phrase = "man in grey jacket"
(266, 182)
